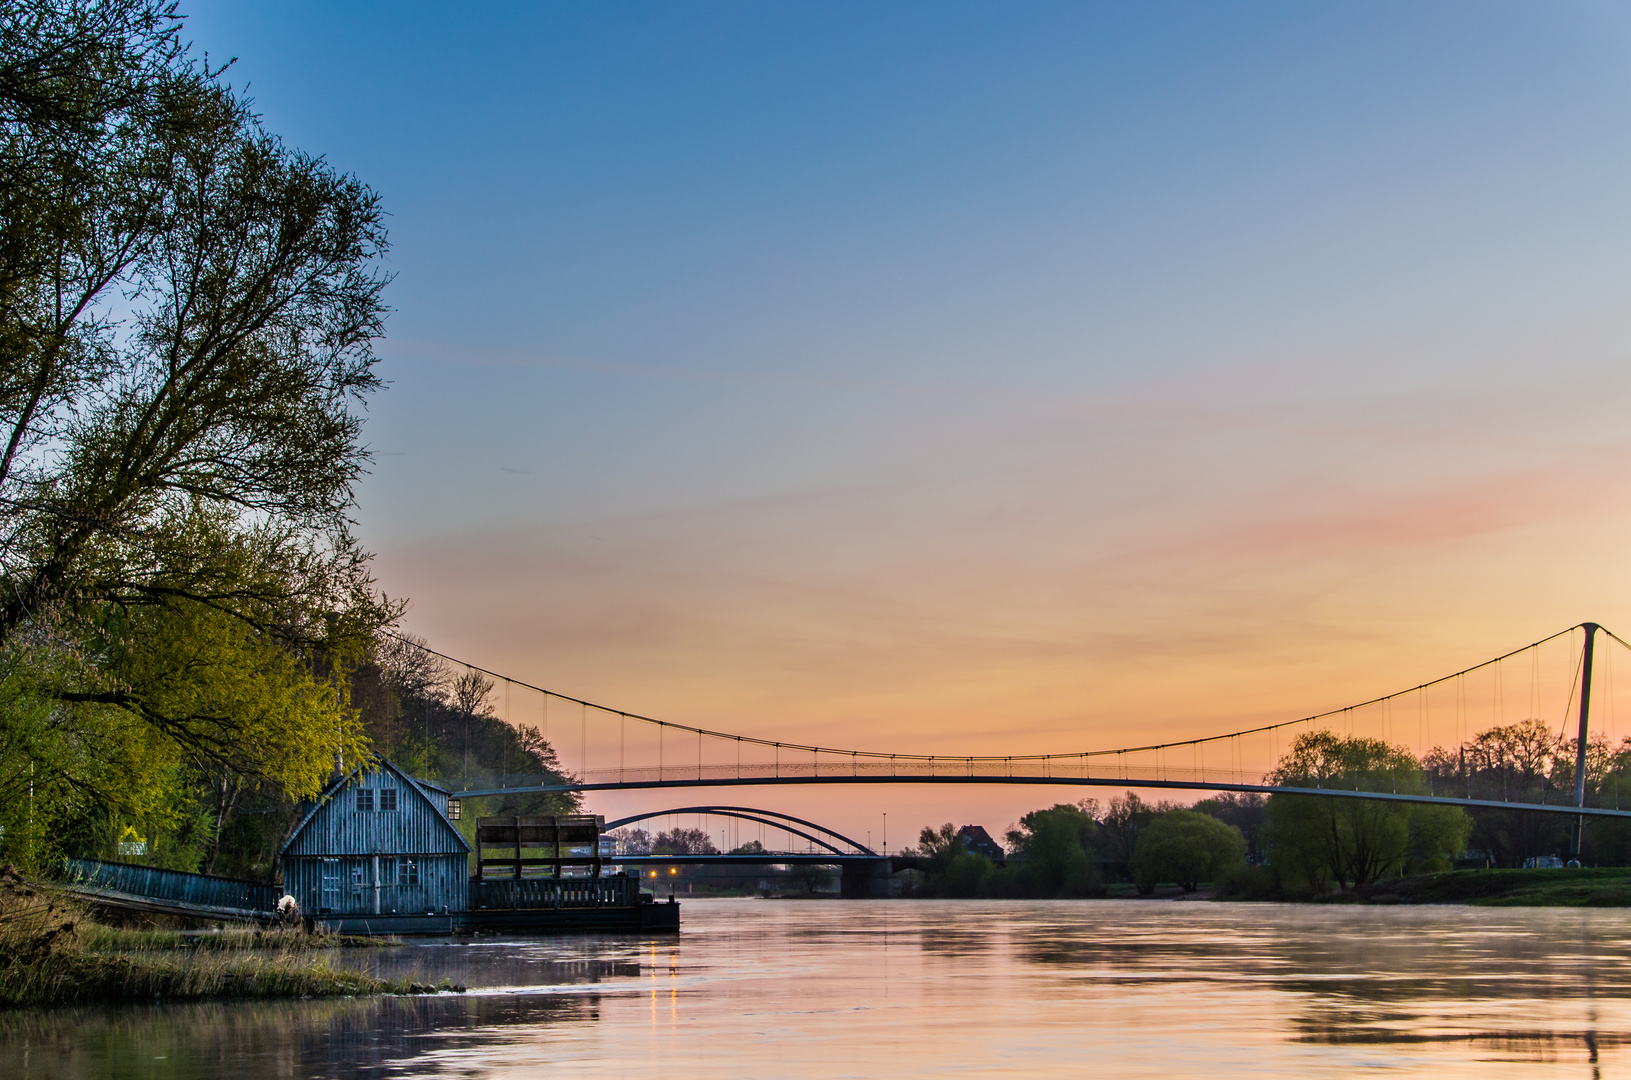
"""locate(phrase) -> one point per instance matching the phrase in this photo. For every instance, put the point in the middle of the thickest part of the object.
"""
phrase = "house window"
(407, 873)
(365, 800)
(453, 809)
(387, 799)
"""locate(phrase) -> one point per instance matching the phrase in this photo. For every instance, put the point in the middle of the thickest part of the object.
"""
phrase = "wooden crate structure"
(513, 846)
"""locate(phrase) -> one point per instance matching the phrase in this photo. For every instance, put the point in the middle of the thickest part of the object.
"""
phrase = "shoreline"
(53, 953)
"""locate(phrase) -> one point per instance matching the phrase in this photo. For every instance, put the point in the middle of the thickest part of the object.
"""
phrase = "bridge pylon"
(1579, 826)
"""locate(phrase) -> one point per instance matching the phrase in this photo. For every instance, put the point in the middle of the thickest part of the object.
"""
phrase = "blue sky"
(912, 371)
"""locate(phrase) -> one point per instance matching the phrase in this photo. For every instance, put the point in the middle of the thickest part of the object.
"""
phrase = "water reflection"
(378, 1036)
(932, 988)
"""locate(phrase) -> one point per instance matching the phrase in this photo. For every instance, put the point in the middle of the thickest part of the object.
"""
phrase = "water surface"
(755, 988)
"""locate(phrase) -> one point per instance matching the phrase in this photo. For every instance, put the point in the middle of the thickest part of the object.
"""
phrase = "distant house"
(975, 839)
(378, 842)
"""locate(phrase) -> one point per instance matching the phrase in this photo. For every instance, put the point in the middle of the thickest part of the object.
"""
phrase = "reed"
(53, 953)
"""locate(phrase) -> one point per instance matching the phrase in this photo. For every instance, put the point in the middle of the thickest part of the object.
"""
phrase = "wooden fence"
(549, 892)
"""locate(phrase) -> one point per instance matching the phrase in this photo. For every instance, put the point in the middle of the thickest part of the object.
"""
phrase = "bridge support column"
(865, 879)
(1580, 748)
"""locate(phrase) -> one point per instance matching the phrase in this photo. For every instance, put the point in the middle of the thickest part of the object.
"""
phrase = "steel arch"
(749, 813)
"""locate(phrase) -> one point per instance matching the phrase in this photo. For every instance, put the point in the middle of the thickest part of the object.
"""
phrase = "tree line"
(1302, 844)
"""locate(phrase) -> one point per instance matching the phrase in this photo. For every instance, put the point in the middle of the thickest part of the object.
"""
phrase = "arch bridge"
(863, 872)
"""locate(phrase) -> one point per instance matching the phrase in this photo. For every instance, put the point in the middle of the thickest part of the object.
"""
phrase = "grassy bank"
(53, 953)
(1503, 888)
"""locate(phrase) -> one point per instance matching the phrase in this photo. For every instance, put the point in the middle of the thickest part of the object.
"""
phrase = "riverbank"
(54, 952)
(1500, 888)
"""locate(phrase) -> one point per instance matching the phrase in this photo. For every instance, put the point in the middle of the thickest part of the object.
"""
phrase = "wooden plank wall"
(442, 885)
(415, 827)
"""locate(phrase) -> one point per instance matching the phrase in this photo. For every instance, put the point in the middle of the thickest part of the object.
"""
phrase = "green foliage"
(938, 846)
(1245, 811)
(1507, 888)
(1521, 762)
(1119, 828)
(966, 874)
(1249, 881)
(1055, 854)
(187, 312)
(1052, 855)
(1316, 842)
(1607, 841)
(439, 724)
(1185, 847)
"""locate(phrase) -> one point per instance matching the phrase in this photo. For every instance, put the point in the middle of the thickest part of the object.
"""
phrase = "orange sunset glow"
(1102, 384)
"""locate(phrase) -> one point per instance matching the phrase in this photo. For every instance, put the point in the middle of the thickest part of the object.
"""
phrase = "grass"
(97, 936)
(1504, 888)
(53, 953)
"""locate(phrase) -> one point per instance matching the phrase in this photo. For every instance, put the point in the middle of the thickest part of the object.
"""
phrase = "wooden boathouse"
(378, 843)
(378, 853)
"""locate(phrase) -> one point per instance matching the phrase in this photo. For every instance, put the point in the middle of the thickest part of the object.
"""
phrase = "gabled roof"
(376, 763)
(976, 834)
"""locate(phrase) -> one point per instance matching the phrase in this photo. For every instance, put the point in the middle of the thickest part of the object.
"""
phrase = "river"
(756, 988)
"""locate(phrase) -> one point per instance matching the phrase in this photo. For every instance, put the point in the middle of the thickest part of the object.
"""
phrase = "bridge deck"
(1560, 807)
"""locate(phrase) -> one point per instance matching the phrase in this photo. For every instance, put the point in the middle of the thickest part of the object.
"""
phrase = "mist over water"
(934, 988)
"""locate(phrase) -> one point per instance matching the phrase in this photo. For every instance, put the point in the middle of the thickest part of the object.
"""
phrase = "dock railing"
(550, 892)
(177, 886)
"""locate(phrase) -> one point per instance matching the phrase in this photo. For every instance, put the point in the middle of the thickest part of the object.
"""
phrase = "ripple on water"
(931, 988)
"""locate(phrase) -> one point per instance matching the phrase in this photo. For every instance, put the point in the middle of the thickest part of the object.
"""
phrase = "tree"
(631, 841)
(1522, 762)
(683, 842)
(1056, 853)
(810, 875)
(965, 875)
(1321, 841)
(938, 847)
(187, 312)
(950, 867)
(1118, 829)
(1185, 847)
(1245, 811)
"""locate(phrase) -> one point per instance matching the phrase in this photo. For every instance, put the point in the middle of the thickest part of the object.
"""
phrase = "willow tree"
(1318, 841)
(187, 316)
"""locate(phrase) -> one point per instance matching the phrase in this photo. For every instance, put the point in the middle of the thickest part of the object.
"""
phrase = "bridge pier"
(864, 879)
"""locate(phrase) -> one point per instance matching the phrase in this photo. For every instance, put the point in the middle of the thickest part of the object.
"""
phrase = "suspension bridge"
(1553, 680)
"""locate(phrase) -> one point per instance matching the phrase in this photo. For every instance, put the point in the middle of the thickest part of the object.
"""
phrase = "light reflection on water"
(944, 988)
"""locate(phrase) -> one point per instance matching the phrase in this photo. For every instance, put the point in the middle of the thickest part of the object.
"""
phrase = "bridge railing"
(173, 885)
(550, 892)
(1097, 770)
(832, 768)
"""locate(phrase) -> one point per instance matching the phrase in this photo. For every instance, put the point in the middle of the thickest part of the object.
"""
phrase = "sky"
(979, 378)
